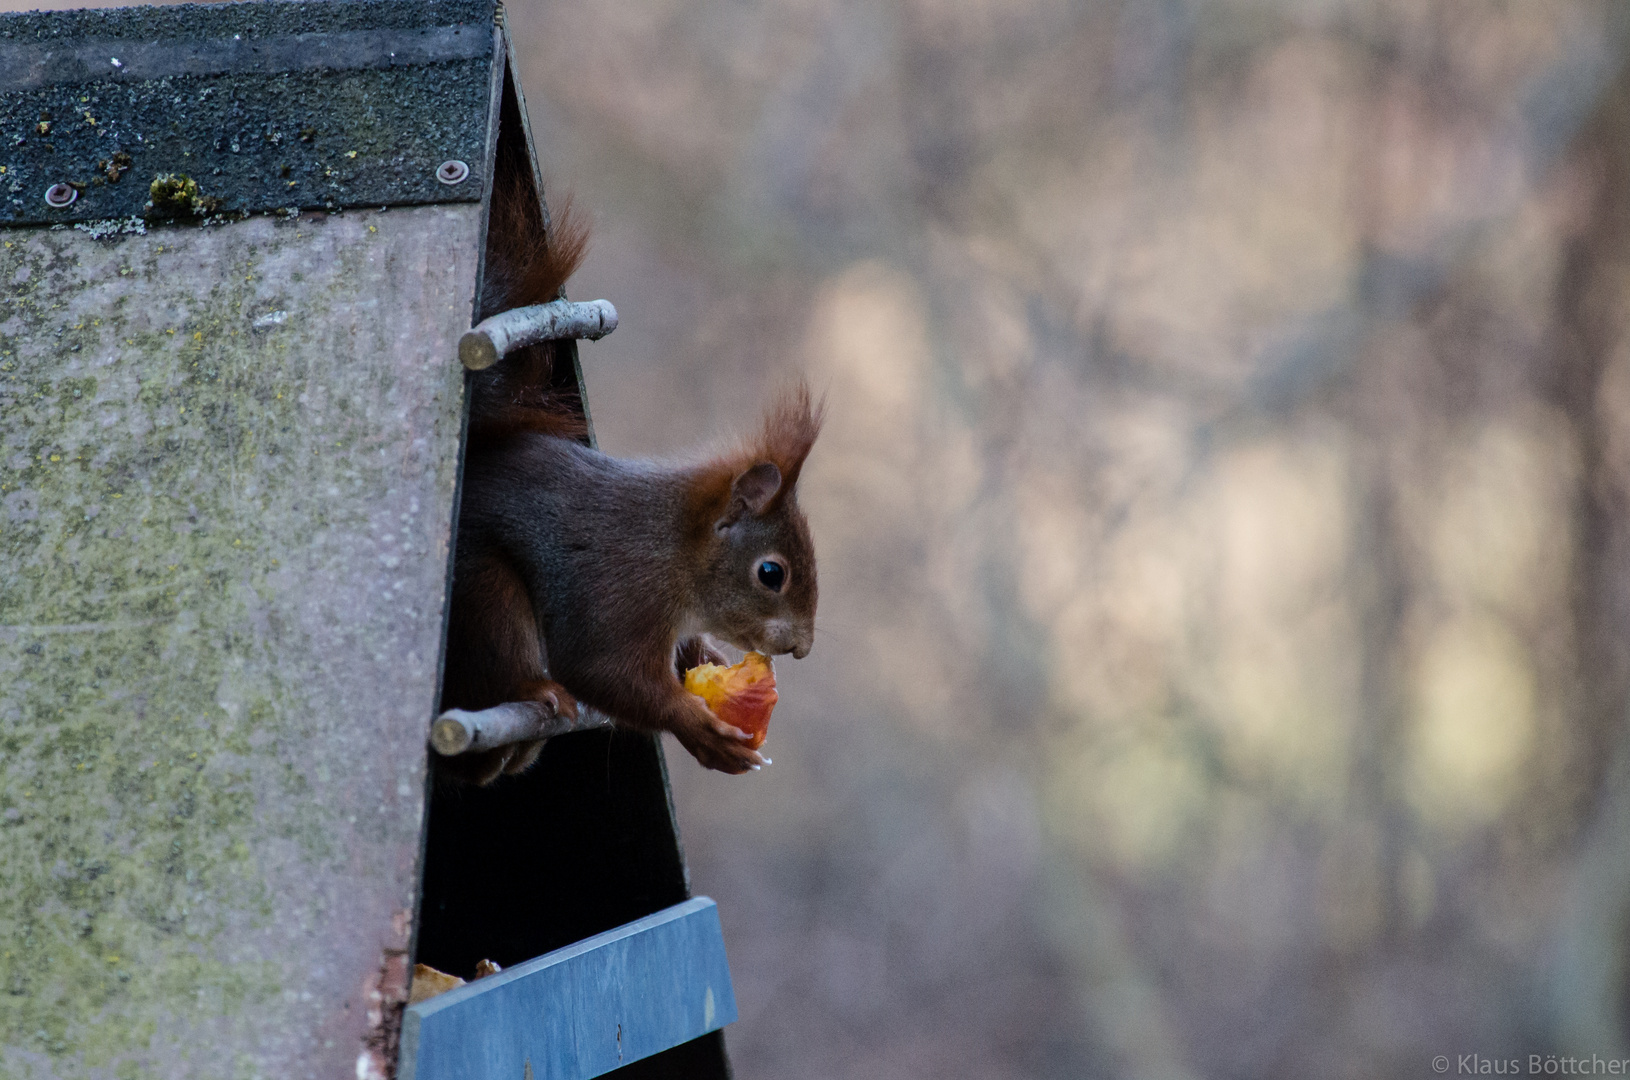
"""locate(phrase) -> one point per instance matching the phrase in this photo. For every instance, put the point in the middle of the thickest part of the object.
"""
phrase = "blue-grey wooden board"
(580, 1011)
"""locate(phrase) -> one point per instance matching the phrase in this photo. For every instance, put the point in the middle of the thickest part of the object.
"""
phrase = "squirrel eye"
(772, 575)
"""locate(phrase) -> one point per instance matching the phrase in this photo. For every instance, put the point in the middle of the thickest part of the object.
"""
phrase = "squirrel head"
(757, 580)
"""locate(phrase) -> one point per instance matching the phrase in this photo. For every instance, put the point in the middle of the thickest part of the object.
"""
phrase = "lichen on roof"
(176, 195)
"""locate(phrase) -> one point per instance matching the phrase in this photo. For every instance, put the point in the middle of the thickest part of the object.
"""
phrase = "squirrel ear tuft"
(790, 428)
(751, 492)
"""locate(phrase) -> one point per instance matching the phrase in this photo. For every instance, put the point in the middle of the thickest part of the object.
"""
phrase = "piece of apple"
(428, 983)
(742, 695)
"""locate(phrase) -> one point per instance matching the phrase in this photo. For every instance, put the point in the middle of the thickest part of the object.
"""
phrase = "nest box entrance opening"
(585, 840)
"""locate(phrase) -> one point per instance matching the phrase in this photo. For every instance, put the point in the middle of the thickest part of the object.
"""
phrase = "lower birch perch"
(457, 731)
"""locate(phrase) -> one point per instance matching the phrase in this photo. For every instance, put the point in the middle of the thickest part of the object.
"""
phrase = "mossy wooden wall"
(228, 457)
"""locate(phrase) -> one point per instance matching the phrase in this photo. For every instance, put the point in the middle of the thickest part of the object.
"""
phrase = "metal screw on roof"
(60, 195)
(452, 172)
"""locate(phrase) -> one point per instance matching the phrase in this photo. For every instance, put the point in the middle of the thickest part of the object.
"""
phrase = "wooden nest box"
(241, 244)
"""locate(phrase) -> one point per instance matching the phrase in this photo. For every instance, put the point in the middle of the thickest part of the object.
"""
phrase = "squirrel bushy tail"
(527, 391)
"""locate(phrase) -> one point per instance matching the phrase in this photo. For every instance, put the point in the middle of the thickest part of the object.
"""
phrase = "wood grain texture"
(230, 462)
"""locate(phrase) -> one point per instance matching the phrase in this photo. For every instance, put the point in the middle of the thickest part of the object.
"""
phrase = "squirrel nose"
(800, 650)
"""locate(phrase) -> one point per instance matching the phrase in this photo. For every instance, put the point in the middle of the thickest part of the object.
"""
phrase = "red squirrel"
(580, 577)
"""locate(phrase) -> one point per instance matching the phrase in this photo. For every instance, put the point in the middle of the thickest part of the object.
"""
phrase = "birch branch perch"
(457, 731)
(493, 339)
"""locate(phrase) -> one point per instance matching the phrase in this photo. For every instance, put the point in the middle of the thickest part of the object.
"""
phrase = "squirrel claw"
(716, 744)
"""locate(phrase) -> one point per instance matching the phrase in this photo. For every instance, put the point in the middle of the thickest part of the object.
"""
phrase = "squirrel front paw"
(716, 744)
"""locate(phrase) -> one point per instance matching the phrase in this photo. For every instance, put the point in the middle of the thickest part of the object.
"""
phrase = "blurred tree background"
(1222, 514)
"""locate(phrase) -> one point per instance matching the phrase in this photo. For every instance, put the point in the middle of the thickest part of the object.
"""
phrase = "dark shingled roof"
(265, 105)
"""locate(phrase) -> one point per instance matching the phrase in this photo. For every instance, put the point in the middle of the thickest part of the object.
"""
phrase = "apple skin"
(742, 695)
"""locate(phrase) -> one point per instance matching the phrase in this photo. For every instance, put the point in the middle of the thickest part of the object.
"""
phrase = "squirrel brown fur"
(579, 577)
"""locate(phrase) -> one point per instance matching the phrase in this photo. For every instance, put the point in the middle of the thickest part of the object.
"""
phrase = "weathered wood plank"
(228, 458)
(581, 1011)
